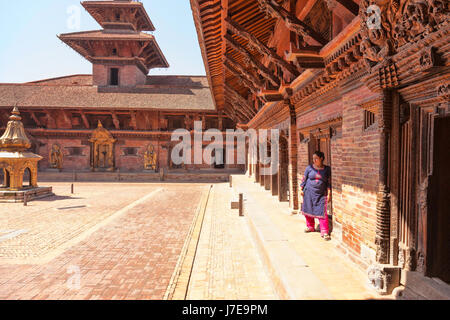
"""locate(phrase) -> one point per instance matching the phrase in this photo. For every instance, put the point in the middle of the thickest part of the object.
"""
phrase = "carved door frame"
(411, 249)
(403, 183)
(428, 116)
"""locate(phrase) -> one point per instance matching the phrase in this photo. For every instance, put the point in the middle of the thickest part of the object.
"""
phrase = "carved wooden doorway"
(102, 149)
(438, 253)
(406, 189)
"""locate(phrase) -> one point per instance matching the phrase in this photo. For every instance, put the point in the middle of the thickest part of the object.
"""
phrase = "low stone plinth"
(32, 194)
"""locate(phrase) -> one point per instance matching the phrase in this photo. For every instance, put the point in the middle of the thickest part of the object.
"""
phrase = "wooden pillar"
(267, 179)
(261, 176)
(293, 185)
(274, 184)
(257, 172)
(382, 236)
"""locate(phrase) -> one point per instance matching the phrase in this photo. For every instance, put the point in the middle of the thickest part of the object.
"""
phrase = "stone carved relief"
(150, 158)
(378, 279)
(56, 157)
(387, 25)
(420, 263)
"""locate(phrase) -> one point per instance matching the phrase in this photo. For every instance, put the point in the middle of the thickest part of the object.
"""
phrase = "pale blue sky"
(30, 50)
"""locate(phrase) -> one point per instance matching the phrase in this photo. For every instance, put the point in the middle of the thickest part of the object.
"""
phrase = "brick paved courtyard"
(107, 241)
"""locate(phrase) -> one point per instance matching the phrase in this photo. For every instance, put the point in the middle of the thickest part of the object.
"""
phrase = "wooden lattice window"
(130, 151)
(369, 119)
(75, 151)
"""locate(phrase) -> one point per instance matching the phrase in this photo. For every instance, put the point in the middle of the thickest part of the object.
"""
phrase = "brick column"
(293, 185)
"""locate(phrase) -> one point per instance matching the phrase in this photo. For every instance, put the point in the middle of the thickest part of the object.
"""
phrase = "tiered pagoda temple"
(117, 118)
(367, 83)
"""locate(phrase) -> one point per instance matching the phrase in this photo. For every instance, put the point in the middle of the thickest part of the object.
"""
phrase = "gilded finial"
(15, 114)
(14, 138)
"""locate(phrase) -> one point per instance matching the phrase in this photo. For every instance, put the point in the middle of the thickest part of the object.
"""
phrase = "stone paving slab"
(131, 257)
(227, 265)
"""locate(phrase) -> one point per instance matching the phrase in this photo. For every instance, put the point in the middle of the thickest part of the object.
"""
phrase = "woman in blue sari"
(316, 185)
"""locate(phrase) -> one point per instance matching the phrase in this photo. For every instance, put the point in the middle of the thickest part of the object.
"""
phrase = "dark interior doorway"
(219, 158)
(439, 230)
(27, 178)
(3, 183)
(114, 77)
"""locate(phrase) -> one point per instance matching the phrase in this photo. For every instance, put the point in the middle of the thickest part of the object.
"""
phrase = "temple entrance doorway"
(439, 223)
(102, 150)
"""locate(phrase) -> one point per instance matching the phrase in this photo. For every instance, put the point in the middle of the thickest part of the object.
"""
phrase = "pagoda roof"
(151, 57)
(98, 10)
(106, 35)
(180, 93)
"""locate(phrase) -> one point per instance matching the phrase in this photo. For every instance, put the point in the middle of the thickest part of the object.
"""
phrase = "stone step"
(291, 276)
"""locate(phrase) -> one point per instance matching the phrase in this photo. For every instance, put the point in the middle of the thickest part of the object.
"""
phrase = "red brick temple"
(118, 118)
(372, 94)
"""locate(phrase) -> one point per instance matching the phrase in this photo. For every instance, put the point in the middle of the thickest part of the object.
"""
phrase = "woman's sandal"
(326, 237)
(308, 230)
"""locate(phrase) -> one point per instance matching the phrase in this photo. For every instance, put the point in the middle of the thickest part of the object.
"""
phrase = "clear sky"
(30, 50)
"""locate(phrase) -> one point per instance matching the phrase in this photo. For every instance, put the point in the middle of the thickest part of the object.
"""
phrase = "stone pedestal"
(31, 194)
(384, 278)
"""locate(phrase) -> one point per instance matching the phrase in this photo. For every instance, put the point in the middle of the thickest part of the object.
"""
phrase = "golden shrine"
(16, 162)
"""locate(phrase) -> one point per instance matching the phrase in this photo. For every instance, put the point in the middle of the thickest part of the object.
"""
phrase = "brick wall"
(129, 75)
(357, 174)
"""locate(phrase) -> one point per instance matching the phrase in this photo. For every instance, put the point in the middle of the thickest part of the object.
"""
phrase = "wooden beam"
(223, 32)
(261, 47)
(35, 118)
(271, 95)
(350, 6)
(255, 63)
(237, 105)
(115, 120)
(240, 99)
(230, 112)
(133, 120)
(292, 22)
(67, 118)
(85, 119)
(250, 81)
(239, 113)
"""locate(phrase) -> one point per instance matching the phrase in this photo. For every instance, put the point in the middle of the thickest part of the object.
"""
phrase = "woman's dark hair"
(320, 154)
